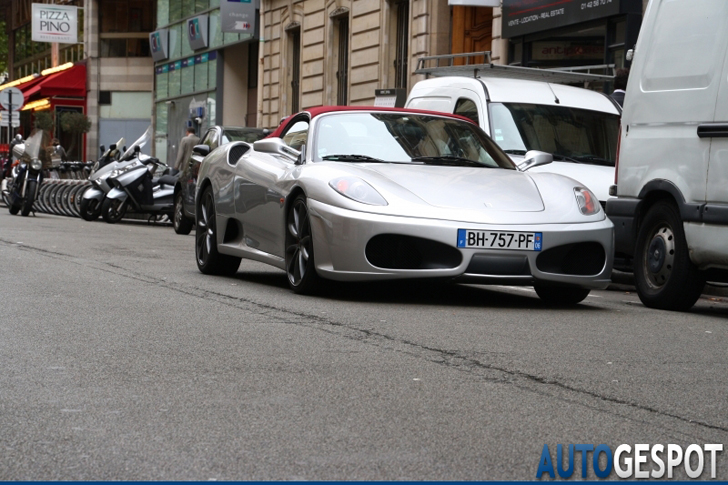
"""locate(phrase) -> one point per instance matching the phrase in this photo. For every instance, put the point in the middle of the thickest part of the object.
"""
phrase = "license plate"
(523, 241)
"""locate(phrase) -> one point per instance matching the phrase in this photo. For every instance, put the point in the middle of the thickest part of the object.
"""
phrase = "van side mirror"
(201, 150)
(535, 158)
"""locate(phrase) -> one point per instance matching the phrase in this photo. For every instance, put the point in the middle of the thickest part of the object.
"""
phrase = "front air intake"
(236, 152)
(394, 251)
(580, 259)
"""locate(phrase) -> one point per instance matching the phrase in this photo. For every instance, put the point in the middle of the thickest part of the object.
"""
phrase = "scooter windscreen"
(141, 142)
(111, 152)
(32, 145)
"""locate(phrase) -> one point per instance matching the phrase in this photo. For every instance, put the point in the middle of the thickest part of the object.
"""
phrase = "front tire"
(664, 275)
(300, 266)
(90, 209)
(560, 296)
(182, 225)
(113, 210)
(209, 260)
(29, 198)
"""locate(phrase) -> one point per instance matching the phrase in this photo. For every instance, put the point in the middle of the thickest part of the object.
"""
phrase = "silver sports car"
(354, 193)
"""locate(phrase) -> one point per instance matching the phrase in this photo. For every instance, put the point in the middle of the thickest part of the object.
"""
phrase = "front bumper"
(340, 237)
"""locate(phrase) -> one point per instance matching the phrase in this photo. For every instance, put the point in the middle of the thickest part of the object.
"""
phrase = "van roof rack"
(470, 66)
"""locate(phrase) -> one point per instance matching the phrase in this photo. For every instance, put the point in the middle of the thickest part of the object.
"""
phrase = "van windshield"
(571, 134)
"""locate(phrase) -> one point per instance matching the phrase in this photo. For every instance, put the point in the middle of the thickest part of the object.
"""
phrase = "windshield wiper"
(593, 159)
(512, 151)
(564, 158)
(351, 158)
(450, 161)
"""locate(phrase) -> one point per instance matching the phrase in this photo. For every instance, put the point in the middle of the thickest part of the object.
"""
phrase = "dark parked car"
(184, 191)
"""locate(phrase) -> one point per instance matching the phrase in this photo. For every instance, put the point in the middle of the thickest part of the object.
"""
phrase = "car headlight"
(587, 201)
(356, 189)
(36, 164)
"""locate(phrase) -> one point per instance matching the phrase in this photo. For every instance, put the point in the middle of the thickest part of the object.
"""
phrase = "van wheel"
(664, 275)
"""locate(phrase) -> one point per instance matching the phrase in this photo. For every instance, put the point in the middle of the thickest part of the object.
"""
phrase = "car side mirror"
(535, 158)
(201, 150)
(276, 146)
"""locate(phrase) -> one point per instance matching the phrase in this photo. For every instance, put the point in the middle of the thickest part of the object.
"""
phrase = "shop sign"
(237, 16)
(521, 17)
(558, 51)
(159, 44)
(54, 23)
(197, 32)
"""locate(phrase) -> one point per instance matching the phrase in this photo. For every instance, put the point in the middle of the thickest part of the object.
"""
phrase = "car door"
(259, 200)
(192, 168)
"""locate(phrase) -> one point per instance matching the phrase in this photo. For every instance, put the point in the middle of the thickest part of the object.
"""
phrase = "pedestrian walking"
(184, 152)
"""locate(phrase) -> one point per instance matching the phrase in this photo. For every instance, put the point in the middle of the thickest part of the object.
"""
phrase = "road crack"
(449, 358)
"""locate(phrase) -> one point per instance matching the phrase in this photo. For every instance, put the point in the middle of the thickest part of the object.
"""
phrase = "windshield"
(248, 136)
(569, 133)
(32, 145)
(404, 138)
(141, 142)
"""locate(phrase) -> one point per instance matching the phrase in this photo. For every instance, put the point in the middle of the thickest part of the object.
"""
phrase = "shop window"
(124, 27)
(188, 79)
(201, 76)
(201, 5)
(162, 13)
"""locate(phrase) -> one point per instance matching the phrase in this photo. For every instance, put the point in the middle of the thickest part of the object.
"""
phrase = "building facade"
(570, 33)
(203, 80)
(301, 53)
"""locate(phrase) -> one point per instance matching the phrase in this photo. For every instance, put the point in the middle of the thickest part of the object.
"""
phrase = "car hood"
(466, 187)
(596, 178)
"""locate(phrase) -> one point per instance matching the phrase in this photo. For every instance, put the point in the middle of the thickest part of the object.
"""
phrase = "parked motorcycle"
(135, 188)
(93, 197)
(6, 177)
(26, 176)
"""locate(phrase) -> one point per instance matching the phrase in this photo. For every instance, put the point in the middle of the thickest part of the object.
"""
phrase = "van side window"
(465, 107)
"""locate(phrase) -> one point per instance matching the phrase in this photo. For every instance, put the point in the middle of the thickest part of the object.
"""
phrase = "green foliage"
(43, 120)
(75, 123)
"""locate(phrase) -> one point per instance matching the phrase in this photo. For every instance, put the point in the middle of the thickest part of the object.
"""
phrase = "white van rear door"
(673, 87)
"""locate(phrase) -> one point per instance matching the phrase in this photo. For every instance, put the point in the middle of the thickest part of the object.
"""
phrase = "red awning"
(68, 83)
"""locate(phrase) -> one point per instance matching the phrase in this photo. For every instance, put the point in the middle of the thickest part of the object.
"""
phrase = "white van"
(672, 173)
(578, 126)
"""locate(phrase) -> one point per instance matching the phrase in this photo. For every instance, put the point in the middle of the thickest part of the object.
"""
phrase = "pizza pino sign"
(55, 23)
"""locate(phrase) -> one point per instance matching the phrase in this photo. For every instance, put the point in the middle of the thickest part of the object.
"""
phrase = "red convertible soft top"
(313, 112)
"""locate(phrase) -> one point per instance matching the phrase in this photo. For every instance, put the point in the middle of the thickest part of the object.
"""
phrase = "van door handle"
(713, 130)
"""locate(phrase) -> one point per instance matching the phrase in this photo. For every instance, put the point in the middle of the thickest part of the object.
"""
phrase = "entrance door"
(472, 29)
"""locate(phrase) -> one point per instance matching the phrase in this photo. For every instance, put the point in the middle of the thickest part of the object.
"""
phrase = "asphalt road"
(120, 361)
